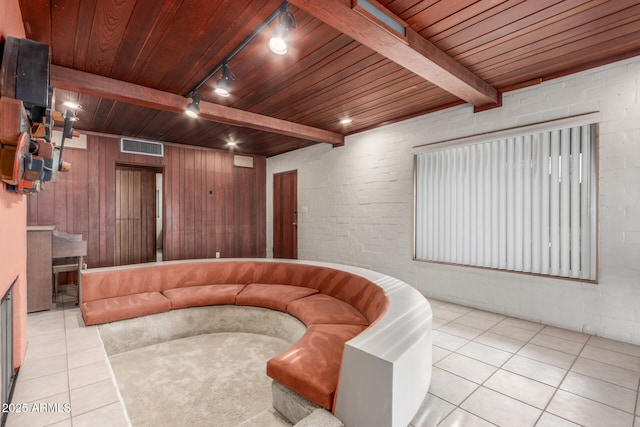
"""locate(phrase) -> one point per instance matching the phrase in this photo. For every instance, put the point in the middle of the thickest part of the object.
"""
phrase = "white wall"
(360, 200)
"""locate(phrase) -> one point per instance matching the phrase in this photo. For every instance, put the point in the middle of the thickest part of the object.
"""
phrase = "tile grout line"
(608, 382)
(560, 384)
(456, 352)
(500, 368)
(583, 397)
(516, 353)
(30, 345)
(490, 376)
(111, 379)
(636, 415)
(543, 410)
(567, 373)
(558, 387)
(66, 345)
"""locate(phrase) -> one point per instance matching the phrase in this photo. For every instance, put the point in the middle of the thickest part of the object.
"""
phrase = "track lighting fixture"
(223, 87)
(279, 42)
(193, 109)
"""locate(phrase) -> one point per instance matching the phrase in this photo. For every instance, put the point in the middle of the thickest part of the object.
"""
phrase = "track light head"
(193, 109)
(279, 42)
(223, 87)
(72, 105)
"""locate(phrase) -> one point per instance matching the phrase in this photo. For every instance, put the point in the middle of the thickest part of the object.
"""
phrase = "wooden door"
(285, 215)
(135, 215)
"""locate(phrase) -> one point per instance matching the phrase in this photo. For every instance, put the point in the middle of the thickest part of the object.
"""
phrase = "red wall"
(13, 217)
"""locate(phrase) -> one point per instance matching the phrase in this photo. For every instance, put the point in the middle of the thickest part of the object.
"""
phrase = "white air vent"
(243, 161)
(145, 148)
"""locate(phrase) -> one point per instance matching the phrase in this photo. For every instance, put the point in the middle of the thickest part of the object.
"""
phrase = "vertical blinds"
(523, 203)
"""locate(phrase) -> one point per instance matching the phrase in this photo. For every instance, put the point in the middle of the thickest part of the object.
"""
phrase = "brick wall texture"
(356, 204)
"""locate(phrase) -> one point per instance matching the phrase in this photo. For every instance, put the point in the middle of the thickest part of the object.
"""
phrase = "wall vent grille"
(145, 148)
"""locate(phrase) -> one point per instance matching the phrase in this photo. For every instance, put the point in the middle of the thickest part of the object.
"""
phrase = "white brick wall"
(359, 204)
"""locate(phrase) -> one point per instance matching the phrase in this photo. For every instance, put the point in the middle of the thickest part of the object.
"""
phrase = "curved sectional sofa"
(366, 354)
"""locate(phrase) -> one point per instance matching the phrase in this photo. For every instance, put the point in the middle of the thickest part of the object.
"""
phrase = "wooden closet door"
(135, 215)
(285, 215)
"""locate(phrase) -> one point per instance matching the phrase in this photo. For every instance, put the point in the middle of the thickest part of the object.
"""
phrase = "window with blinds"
(523, 201)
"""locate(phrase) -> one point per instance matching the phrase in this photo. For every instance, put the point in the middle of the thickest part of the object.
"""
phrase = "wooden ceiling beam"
(415, 53)
(116, 90)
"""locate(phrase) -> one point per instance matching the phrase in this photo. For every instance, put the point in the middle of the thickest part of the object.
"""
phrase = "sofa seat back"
(366, 297)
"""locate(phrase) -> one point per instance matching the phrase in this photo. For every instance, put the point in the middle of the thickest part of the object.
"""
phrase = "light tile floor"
(489, 369)
(65, 364)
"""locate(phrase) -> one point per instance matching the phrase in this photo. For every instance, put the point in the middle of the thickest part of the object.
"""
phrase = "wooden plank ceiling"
(171, 45)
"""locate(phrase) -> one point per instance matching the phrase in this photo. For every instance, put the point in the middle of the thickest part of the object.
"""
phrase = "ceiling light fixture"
(71, 104)
(223, 87)
(346, 121)
(193, 109)
(280, 40)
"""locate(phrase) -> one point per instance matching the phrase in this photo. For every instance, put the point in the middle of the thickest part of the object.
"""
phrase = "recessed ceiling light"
(346, 121)
(232, 144)
(72, 104)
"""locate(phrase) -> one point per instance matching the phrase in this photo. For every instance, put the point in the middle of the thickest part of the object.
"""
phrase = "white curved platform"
(386, 370)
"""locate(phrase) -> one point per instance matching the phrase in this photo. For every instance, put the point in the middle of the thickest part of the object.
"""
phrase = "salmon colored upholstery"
(124, 307)
(365, 296)
(335, 305)
(321, 308)
(276, 297)
(196, 296)
(159, 277)
(312, 366)
(368, 298)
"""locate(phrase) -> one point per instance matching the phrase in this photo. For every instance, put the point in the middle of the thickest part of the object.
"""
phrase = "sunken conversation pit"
(366, 351)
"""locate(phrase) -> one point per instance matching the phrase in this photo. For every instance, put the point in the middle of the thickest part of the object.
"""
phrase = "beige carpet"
(205, 380)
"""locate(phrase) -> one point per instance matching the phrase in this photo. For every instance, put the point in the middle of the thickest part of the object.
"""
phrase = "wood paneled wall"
(210, 205)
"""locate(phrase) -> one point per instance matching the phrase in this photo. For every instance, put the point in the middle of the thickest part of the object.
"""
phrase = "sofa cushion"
(124, 307)
(367, 297)
(196, 296)
(321, 308)
(276, 297)
(312, 366)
